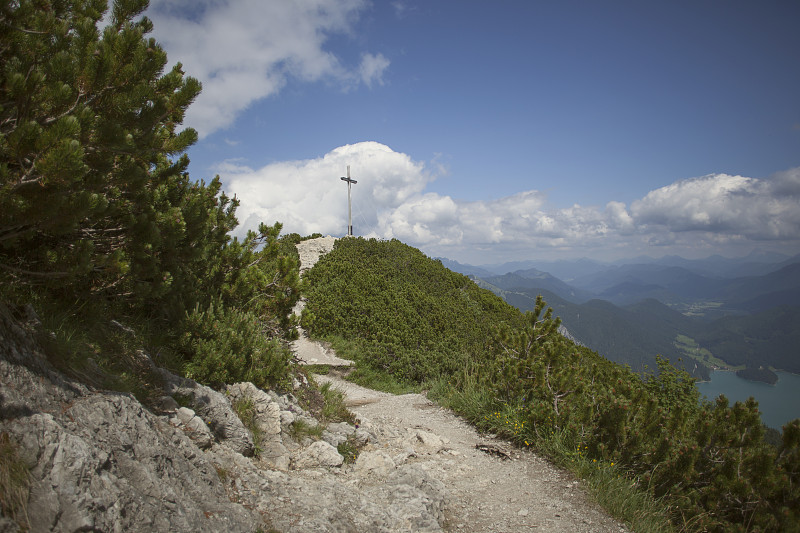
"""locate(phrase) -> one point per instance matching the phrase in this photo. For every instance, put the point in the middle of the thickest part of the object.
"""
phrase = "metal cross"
(350, 182)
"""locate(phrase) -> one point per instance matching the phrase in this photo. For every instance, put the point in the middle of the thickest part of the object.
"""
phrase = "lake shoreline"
(778, 403)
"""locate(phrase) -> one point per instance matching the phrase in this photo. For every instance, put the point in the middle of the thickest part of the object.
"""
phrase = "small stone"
(185, 414)
(168, 403)
(429, 439)
(287, 418)
(522, 512)
(377, 463)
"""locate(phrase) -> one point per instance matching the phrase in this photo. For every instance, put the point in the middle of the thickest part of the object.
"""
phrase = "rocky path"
(245, 459)
(490, 485)
(307, 351)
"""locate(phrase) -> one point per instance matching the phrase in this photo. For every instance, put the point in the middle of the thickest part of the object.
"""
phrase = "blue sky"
(493, 131)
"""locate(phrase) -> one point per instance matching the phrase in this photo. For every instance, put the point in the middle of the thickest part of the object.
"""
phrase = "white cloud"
(372, 68)
(731, 206)
(246, 50)
(390, 201)
(308, 196)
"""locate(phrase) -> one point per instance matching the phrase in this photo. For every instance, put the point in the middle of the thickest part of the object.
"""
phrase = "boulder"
(267, 410)
(214, 408)
(319, 454)
(374, 463)
(194, 427)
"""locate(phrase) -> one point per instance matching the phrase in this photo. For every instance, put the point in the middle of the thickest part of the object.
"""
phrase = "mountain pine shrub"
(97, 207)
(229, 346)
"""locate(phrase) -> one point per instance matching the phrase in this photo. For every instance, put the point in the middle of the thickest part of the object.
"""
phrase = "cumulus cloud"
(390, 200)
(307, 196)
(245, 50)
(725, 205)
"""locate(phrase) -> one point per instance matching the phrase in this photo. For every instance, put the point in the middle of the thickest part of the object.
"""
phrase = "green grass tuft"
(14, 483)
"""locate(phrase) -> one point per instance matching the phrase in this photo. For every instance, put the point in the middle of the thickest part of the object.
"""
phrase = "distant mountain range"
(710, 312)
(757, 263)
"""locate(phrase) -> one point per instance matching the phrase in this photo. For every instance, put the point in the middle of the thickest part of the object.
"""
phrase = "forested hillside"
(741, 322)
(632, 335)
(408, 320)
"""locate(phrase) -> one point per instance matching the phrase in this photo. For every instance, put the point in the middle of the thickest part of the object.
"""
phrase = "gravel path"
(306, 351)
(502, 489)
(492, 486)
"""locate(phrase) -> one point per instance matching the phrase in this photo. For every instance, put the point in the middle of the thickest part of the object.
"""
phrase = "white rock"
(429, 439)
(318, 454)
(184, 414)
(377, 463)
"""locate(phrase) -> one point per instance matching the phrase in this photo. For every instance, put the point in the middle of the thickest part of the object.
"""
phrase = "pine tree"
(89, 194)
(96, 203)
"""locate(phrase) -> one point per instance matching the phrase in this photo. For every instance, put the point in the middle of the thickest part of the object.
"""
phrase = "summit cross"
(350, 182)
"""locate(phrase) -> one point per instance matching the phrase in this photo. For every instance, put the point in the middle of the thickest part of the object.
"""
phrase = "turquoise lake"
(779, 403)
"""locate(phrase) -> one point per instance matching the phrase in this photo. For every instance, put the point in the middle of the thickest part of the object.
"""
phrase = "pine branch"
(49, 275)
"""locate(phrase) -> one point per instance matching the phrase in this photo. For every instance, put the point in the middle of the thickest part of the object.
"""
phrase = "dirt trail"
(492, 486)
(307, 351)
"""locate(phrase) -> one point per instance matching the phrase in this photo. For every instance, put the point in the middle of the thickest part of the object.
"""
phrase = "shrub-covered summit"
(406, 315)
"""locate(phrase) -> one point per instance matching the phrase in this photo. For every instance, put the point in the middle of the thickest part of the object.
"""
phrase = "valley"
(715, 313)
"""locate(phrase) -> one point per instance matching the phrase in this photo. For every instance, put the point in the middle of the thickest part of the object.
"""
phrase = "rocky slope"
(100, 461)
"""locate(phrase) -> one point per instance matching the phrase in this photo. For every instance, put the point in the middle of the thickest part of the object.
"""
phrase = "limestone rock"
(319, 454)
(194, 427)
(267, 410)
(101, 461)
(428, 439)
(418, 499)
(214, 408)
(376, 463)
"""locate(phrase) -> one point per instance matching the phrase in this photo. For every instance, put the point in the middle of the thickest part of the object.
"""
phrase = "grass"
(300, 429)
(690, 348)
(327, 405)
(245, 409)
(14, 483)
(349, 450)
(323, 402)
(366, 376)
(321, 370)
(333, 407)
(222, 473)
(622, 497)
(87, 346)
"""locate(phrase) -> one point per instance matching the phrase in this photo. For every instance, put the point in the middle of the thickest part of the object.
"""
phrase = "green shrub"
(406, 316)
(229, 346)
